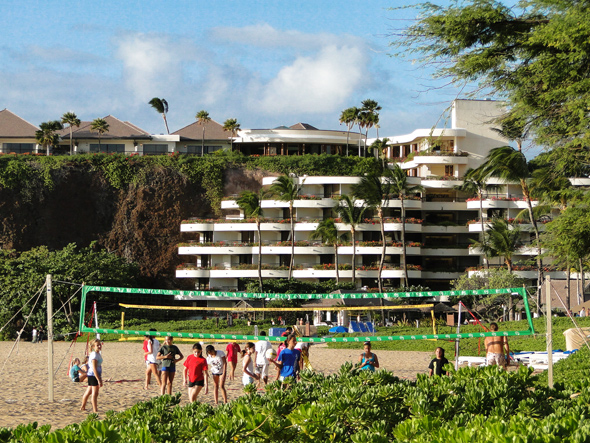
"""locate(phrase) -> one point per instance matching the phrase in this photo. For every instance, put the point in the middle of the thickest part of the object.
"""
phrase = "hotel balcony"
(500, 203)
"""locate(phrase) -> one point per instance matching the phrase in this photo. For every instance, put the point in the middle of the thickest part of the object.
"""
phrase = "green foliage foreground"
(473, 404)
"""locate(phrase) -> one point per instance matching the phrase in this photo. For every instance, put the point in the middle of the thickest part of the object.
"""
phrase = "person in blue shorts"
(289, 360)
(170, 355)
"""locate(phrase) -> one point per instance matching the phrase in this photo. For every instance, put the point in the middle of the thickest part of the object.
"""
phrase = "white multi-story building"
(440, 222)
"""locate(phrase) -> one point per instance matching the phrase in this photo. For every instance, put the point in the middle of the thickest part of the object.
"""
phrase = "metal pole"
(457, 339)
(50, 336)
(549, 331)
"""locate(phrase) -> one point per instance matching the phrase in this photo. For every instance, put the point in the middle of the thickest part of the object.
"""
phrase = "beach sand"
(24, 380)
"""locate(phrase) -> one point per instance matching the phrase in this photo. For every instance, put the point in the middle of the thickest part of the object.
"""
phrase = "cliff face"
(141, 222)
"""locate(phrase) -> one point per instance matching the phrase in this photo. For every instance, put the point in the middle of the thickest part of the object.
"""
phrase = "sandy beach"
(24, 385)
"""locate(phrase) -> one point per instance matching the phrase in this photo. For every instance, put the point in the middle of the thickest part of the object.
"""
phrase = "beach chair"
(363, 327)
(354, 327)
(371, 327)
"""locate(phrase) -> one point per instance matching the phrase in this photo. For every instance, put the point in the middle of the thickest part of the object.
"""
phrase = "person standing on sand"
(232, 350)
(437, 364)
(248, 366)
(167, 354)
(368, 361)
(495, 349)
(262, 346)
(195, 373)
(94, 376)
(151, 348)
(289, 361)
(218, 363)
(34, 335)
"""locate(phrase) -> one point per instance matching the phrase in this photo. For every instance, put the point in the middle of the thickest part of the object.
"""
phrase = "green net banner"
(188, 295)
(240, 337)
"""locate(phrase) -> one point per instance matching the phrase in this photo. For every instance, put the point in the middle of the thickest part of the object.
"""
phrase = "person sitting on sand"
(168, 354)
(217, 364)
(495, 349)
(437, 364)
(195, 373)
(77, 374)
(368, 361)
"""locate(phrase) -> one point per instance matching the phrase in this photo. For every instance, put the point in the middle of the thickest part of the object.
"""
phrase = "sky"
(265, 63)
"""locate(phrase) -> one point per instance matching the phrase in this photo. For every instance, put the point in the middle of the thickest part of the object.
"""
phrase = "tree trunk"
(166, 123)
(382, 261)
(353, 256)
(567, 285)
(525, 191)
(483, 231)
(203, 141)
(259, 256)
(292, 241)
(510, 302)
(403, 220)
(336, 262)
(583, 280)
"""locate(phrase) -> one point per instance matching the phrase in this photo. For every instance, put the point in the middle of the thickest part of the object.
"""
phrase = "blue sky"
(266, 63)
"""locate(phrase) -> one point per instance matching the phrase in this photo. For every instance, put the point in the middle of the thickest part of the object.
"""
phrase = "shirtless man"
(495, 349)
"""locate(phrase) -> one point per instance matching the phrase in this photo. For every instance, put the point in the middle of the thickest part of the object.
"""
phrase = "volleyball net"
(184, 301)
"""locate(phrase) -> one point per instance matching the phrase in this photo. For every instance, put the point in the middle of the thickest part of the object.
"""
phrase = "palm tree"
(474, 182)
(70, 119)
(161, 106)
(380, 146)
(349, 117)
(250, 203)
(511, 166)
(502, 239)
(375, 192)
(231, 125)
(351, 214)
(287, 189)
(101, 126)
(370, 110)
(327, 232)
(399, 186)
(46, 135)
(202, 119)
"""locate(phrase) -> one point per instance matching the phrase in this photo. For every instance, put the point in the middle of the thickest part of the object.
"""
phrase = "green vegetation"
(473, 404)
(23, 273)
(31, 174)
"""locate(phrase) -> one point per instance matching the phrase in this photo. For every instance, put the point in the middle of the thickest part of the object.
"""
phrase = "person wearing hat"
(368, 361)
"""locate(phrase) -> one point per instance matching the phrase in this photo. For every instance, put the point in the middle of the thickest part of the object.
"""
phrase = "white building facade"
(441, 222)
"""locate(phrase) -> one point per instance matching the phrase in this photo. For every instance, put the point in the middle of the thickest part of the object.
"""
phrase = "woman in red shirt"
(232, 350)
(195, 373)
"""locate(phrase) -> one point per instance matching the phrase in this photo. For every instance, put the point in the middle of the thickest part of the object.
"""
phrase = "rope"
(66, 354)
(18, 312)
(18, 335)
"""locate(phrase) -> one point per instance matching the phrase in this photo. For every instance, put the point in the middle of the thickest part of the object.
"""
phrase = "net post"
(549, 331)
(50, 380)
(83, 308)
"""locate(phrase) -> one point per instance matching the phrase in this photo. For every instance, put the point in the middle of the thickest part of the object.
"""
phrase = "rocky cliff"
(140, 221)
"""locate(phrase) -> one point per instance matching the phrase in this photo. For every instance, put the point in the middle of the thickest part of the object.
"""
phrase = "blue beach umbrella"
(338, 329)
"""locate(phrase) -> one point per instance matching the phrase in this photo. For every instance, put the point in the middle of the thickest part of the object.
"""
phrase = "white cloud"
(314, 84)
(151, 64)
(265, 36)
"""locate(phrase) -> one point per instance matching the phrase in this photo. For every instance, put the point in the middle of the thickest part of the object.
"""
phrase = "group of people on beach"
(290, 358)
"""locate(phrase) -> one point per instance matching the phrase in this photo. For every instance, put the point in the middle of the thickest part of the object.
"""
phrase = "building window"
(108, 148)
(449, 170)
(155, 149)
(196, 149)
(18, 148)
